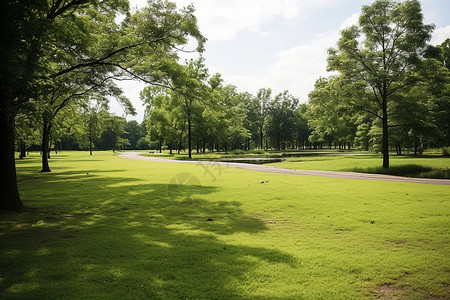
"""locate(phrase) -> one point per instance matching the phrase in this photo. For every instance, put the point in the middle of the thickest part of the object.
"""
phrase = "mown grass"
(104, 227)
(411, 166)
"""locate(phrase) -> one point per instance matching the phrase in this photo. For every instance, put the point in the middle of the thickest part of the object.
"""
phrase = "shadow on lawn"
(123, 238)
(408, 170)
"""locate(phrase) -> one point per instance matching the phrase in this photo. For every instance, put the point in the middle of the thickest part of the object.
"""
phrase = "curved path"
(270, 169)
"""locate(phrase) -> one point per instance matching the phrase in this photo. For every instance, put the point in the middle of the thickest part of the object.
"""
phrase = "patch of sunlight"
(106, 202)
(93, 219)
(32, 273)
(116, 273)
(146, 240)
(22, 287)
(43, 251)
(89, 267)
(135, 224)
(13, 252)
(40, 223)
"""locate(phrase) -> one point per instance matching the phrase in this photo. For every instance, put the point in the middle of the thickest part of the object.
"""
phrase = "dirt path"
(270, 169)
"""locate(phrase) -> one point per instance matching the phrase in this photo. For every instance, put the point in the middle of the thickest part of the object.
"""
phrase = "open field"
(102, 227)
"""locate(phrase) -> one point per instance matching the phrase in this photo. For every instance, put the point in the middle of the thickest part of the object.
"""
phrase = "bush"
(257, 151)
(142, 144)
(446, 151)
(238, 152)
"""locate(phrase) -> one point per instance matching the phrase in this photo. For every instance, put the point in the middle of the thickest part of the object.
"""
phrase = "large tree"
(33, 32)
(382, 51)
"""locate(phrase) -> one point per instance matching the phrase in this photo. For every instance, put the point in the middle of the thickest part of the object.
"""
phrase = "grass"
(104, 227)
(411, 166)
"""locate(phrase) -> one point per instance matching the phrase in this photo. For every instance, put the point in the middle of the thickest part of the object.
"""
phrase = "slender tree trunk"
(9, 193)
(261, 136)
(23, 152)
(45, 147)
(170, 147)
(180, 144)
(90, 139)
(189, 135)
(385, 145)
(198, 146)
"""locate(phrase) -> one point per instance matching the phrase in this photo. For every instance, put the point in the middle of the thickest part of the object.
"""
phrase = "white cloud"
(221, 20)
(440, 35)
(296, 69)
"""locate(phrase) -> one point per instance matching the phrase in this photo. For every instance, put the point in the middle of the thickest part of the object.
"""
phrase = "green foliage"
(446, 151)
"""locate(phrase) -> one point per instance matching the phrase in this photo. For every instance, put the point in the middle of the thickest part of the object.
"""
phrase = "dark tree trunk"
(170, 147)
(198, 146)
(90, 140)
(261, 137)
(385, 145)
(9, 193)
(212, 144)
(189, 135)
(23, 149)
(180, 144)
(45, 147)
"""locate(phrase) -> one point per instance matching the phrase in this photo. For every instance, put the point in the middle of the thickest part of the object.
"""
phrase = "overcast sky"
(279, 44)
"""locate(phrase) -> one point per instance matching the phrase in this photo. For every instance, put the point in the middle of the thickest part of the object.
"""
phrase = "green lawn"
(103, 227)
(422, 166)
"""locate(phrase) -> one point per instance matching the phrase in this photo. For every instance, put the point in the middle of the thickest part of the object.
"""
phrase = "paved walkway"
(271, 169)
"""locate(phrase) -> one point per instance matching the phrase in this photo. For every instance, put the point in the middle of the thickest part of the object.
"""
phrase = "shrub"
(446, 151)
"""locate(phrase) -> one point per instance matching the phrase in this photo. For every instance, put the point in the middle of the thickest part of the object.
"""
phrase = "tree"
(264, 98)
(115, 132)
(393, 35)
(281, 120)
(134, 133)
(35, 33)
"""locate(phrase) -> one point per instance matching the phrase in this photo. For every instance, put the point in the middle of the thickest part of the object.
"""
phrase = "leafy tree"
(301, 129)
(134, 133)
(264, 99)
(281, 120)
(43, 41)
(114, 132)
(383, 51)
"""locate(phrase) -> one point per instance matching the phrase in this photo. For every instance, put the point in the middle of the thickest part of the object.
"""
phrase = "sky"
(277, 44)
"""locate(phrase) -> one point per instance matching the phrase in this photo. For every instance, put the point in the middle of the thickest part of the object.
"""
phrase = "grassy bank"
(102, 227)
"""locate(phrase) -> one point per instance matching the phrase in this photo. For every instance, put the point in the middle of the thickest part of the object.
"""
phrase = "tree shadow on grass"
(123, 238)
(407, 170)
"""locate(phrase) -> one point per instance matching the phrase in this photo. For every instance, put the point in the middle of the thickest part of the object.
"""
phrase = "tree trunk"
(45, 146)
(385, 145)
(90, 139)
(9, 193)
(180, 144)
(261, 136)
(23, 152)
(189, 135)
